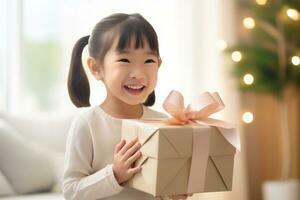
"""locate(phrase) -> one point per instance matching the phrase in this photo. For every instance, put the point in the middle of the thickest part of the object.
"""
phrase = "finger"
(135, 170)
(131, 151)
(190, 194)
(133, 158)
(128, 145)
(119, 145)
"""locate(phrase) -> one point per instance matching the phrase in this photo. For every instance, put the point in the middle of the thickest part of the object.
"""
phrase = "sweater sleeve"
(79, 181)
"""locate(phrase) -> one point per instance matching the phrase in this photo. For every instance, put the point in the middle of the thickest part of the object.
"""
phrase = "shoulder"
(151, 113)
(85, 115)
(81, 123)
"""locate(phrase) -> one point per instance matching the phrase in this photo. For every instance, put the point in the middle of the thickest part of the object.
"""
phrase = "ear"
(95, 69)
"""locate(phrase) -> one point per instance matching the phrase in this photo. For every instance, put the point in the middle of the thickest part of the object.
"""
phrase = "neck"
(122, 110)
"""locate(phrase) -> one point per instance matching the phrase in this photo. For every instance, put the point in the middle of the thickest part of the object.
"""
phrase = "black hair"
(123, 26)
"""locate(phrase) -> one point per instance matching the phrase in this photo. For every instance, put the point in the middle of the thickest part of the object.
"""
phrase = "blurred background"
(247, 50)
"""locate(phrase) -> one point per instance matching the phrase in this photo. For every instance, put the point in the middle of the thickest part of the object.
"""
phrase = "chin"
(133, 103)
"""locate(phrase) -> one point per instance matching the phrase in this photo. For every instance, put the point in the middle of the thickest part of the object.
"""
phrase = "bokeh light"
(248, 117)
(236, 56)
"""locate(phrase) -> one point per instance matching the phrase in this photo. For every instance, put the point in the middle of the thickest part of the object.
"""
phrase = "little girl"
(124, 55)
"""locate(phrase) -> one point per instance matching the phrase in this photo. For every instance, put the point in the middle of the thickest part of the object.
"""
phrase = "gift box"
(182, 157)
(167, 155)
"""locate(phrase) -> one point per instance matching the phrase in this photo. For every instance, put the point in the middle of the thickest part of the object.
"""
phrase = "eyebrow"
(127, 51)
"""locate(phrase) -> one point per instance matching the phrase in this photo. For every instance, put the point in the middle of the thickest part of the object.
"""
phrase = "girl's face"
(130, 75)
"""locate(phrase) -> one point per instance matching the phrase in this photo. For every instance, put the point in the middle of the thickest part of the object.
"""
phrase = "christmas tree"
(267, 56)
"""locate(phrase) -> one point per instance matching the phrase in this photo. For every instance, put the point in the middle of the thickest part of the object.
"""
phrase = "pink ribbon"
(197, 113)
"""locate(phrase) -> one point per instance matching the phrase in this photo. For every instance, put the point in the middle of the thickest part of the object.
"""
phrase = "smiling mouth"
(135, 90)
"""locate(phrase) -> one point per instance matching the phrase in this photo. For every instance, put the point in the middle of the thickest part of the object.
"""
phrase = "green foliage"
(260, 50)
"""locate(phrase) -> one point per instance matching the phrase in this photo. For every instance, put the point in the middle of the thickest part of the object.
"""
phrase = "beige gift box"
(167, 153)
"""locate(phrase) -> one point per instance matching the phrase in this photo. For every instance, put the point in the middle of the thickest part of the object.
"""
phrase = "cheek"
(153, 77)
(115, 76)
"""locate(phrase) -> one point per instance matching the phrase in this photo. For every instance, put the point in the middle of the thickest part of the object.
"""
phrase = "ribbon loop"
(174, 105)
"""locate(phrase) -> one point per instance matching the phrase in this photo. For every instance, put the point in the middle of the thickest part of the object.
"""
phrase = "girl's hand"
(180, 196)
(124, 157)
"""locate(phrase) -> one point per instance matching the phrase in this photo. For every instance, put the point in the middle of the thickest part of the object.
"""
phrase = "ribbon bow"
(198, 112)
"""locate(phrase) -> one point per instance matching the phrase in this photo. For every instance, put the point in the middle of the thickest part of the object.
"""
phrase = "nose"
(137, 73)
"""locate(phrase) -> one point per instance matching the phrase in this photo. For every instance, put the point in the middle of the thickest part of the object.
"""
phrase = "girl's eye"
(124, 60)
(149, 61)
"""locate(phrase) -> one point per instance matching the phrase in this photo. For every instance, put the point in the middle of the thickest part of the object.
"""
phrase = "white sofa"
(31, 155)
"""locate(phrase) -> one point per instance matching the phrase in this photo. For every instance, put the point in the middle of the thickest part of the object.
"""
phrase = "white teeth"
(134, 87)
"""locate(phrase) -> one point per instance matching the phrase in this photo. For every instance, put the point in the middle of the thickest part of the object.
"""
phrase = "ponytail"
(150, 99)
(78, 84)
